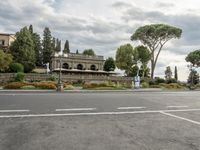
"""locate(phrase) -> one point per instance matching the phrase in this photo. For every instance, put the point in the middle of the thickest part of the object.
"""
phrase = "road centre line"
(177, 106)
(126, 108)
(76, 109)
(4, 111)
(182, 118)
(96, 113)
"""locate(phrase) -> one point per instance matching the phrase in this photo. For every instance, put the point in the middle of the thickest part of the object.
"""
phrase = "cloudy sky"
(106, 24)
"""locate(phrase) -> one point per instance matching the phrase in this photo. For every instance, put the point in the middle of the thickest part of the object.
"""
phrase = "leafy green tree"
(89, 52)
(194, 58)
(176, 73)
(168, 73)
(144, 56)
(47, 46)
(22, 49)
(155, 36)
(66, 47)
(109, 64)
(77, 51)
(5, 61)
(125, 58)
(193, 78)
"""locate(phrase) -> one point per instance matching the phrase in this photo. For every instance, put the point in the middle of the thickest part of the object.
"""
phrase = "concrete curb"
(80, 91)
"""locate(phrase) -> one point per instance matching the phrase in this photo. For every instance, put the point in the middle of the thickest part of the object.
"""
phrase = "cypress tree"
(58, 46)
(77, 51)
(176, 74)
(47, 46)
(66, 47)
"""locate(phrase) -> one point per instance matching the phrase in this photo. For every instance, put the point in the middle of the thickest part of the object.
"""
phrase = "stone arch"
(80, 67)
(92, 67)
(65, 66)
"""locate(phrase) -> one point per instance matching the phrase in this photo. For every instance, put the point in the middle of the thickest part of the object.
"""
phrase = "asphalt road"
(98, 121)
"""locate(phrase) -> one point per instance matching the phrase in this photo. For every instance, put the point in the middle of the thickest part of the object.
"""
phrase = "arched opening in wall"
(80, 67)
(92, 67)
(65, 66)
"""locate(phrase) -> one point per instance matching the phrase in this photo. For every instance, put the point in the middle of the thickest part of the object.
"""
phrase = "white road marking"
(4, 111)
(182, 118)
(177, 106)
(96, 113)
(76, 109)
(126, 108)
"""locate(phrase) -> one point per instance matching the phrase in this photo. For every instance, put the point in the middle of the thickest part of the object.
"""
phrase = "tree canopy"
(5, 60)
(155, 36)
(89, 52)
(194, 58)
(109, 64)
(124, 58)
(22, 49)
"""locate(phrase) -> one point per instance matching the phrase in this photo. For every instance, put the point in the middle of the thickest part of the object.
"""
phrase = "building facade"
(78, 64)
(6, 40)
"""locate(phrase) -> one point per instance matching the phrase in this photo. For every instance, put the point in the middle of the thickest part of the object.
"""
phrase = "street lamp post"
(60, 84)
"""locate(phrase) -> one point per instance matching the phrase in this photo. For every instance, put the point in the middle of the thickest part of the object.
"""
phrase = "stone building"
(6, 40)
(79, 64)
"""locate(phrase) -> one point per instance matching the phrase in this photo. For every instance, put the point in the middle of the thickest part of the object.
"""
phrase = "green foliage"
(37, 48)
(22, 49)
(145, 85)
(124, 58)
(89, 52)
(66, 47)
(155, 36)
(194, 58)
(19, 76)
(47, 46)
(168, 73)
(53, 78)
(193, 78)
(109, 64)
(28, 87)
(58, 45)
(176, 73)
(77, 51)
(171, 80)
(5, 60)
(16, 67)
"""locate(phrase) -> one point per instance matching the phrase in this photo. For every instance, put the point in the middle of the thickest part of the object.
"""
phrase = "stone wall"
(5, 77)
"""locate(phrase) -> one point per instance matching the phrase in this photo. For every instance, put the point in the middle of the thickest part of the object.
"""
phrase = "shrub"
(16, 67)
(28, 87)
(155, 86)
(172, 80)
(53, 78)
(159, 80)
(44, 85)
(68, 87)
(19, 76)
(152, 82)
(15, 85)
(145, 85)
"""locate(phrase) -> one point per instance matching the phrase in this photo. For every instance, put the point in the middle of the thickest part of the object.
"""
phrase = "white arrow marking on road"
(4, 111)
(121, 108)
(76, 109)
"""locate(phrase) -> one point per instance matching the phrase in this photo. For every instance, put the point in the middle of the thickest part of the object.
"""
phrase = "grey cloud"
(120, 4)
(165, 5)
